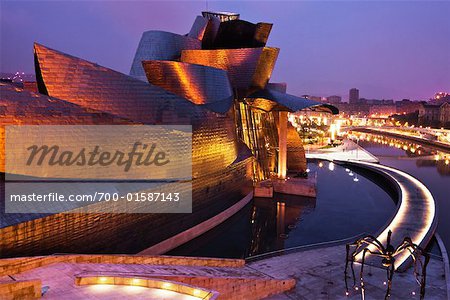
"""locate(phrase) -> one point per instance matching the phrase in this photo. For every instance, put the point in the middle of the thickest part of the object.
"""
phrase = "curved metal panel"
(210, 33)
(265, 67)
(269, 100)
(160, 45)
(95, 87)
(242, 34)
(247, 67)
(21, 107)
(198, 29)
(296, 159)
(199, 84)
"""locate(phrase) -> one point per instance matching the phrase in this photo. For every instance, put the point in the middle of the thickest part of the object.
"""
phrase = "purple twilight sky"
(387, 49)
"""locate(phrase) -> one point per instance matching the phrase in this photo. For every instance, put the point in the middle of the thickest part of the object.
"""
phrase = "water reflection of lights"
(351, 173)
(410, 148)
(331, 166)
(320, 164)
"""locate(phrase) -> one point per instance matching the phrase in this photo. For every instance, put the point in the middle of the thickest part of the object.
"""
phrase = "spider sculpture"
(387, 253)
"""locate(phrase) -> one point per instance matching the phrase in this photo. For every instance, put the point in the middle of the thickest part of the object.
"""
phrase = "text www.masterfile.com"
(95, 197)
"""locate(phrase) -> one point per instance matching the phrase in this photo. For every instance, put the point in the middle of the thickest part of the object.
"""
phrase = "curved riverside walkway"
(416, 208)
(319, 271)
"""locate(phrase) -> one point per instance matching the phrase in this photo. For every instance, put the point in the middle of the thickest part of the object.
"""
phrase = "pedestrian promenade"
(345, 152)
(416, 208)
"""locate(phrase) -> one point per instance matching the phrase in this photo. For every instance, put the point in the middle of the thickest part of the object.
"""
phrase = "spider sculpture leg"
(359, 244)
(361, 278)
(367, 241)
(361, 274)
(370, 239)
(347, 250)
(417, 261)
(390, 274)
(390, 270)
(350, 258)
(416, 253)
(424, 275)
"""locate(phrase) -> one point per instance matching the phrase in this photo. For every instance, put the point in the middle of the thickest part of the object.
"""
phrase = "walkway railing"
(304, 248)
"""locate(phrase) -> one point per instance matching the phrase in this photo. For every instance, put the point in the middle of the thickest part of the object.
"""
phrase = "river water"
(347, 204)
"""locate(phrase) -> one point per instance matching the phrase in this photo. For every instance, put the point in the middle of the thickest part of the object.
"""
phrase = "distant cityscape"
(433, 112)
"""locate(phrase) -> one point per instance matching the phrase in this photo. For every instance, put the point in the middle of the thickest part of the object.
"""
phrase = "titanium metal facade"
(199, 84)
(18, 106)
(160, 45)
(100, 88)
(199, 28)
(192, 80)
(247, 67)
(271, 99)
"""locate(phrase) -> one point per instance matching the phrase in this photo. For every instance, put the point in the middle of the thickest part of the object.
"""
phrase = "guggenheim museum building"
(215, 78)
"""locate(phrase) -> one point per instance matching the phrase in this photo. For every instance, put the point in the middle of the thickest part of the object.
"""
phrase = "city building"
(406, 106)
(444, 115)
(334, 99)
(215, 79)
(436, 112)
(377, 101)
(353, 96)
(429, 115)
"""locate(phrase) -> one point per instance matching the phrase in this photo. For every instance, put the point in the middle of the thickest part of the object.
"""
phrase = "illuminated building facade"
(215, 78)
